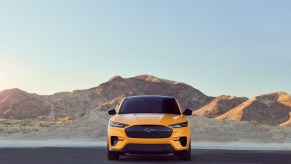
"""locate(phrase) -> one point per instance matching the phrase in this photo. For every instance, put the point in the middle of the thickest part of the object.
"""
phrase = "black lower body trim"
(148, 149)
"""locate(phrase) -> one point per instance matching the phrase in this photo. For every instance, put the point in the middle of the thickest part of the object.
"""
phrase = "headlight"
(180, 125)
(117, 124)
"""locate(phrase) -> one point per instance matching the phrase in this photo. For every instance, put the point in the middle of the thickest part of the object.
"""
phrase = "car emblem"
(148, 130)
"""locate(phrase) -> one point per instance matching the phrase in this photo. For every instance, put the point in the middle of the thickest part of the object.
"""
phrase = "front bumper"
(148, 145)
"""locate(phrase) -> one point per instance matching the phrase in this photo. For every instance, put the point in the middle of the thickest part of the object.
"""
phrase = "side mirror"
(187, 112)
(112, 111)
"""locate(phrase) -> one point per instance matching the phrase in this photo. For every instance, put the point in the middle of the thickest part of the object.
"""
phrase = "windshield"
(149, 105)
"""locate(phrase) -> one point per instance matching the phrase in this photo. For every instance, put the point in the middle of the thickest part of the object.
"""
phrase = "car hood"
(149, 119)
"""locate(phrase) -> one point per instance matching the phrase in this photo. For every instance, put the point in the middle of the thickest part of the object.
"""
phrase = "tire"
(111, 155)
(186, 155)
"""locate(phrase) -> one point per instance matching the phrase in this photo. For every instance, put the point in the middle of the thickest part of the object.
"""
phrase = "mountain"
(18, 104)
(188, 96)
(219, 106)
(15, 103)
(270, 109)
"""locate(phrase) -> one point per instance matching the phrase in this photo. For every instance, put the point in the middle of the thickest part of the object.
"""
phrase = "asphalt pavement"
(75, 155)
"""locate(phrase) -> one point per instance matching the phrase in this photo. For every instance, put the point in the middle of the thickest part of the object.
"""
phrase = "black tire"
(111, 155)
(185, 155)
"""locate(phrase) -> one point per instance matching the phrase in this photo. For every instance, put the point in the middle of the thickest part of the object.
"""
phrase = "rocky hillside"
(271, 109)
(18, 104)
(288, 122)
(219, 106)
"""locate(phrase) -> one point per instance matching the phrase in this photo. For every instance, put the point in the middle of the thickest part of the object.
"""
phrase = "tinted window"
(149, 105)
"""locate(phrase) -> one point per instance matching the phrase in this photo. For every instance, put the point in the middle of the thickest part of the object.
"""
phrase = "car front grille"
(148, 131)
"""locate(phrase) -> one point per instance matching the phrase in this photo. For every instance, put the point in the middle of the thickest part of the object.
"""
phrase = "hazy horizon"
(239, 48)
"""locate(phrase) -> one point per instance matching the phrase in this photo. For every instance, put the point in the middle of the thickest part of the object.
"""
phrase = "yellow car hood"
(149, 118)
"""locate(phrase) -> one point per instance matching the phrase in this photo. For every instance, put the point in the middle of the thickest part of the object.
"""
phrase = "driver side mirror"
(112, 111)
(187, 112)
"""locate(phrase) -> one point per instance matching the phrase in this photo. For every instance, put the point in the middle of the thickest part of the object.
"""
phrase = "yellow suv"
(149, 125)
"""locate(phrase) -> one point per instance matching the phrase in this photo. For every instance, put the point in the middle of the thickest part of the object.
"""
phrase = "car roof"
(149, 97)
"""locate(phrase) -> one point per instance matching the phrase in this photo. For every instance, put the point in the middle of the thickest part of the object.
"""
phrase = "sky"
(240, 47)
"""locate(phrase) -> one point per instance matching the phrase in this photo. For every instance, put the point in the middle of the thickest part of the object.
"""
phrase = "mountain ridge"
(271, 109)
(106, 95)
(268, 109)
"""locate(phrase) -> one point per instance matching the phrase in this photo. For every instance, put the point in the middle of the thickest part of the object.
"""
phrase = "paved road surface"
(98, 156)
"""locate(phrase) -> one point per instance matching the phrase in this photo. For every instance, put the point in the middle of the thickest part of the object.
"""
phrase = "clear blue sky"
(234, 47)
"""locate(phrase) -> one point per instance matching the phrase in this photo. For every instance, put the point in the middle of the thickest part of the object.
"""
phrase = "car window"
(149, 105)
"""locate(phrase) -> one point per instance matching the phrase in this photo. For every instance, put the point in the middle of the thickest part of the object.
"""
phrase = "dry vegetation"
(93, 126)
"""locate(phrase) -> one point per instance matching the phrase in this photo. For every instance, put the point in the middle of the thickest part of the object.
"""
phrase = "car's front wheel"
(185, 155)
(111, 155)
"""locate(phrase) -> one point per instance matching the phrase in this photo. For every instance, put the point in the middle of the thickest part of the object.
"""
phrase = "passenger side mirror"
(187, 112)
(112, 111)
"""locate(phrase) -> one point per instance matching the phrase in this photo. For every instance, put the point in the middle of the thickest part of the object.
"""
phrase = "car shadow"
(151, 158)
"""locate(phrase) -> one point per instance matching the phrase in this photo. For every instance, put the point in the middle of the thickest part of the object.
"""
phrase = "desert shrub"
(82, 114)
(25, 123)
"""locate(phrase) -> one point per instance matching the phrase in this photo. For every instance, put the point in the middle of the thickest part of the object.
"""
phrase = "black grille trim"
(148, 148)
(148, 131)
